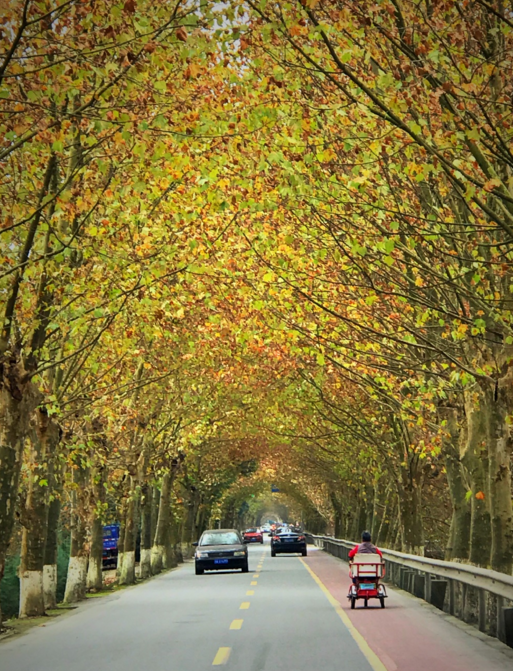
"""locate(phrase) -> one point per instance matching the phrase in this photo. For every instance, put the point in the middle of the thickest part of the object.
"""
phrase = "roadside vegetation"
(245, 245)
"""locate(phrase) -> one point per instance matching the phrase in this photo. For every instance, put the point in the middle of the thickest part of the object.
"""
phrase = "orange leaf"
(480, 496)
(181, 33)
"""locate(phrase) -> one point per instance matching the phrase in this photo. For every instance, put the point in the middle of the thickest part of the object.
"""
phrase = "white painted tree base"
(157, 558)
(76, 580)
(119, 565)
(145, 565)
(94, 574)
(127, 576)
(50, 585)
(31, 594)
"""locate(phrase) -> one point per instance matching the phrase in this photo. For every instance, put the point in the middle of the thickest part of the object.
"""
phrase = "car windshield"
(251, 531)
(226, 538)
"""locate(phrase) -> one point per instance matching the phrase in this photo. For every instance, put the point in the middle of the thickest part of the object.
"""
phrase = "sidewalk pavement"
(410, 634)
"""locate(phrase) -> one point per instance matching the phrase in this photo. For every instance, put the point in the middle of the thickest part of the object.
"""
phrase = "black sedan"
(288, 541)
(220, 549)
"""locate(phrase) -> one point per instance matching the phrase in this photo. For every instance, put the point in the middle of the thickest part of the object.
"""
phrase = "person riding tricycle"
(366, 568)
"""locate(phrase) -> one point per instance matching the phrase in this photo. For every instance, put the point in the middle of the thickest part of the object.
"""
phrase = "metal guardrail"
(478, 596)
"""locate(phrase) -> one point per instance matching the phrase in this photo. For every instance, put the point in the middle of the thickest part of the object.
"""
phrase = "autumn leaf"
(181, 33)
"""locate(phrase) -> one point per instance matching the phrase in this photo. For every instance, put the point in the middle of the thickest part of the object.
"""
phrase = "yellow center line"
(236, 624)
(257, 575)
(244, 605)
(254, 582)
(222, 656)
(368, 653)
(250, 592)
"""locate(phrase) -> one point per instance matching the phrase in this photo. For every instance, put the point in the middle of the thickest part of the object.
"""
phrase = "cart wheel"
(382, 601)
(366, 603)
(353, 602)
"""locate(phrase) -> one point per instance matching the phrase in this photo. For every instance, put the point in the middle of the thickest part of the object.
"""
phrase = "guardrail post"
(397, 575)
(403, 572)
(419, 585)
(386, 577)
(501, 630)
(427, 591)
(463, 611)
(438, 588)
(507, 618)
(482, 610)
(452, 605)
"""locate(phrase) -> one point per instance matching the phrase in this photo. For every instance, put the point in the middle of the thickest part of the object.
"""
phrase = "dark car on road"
(288, 541)
(219, 549)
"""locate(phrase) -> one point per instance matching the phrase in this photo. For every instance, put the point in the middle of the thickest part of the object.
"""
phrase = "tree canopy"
(248, 244)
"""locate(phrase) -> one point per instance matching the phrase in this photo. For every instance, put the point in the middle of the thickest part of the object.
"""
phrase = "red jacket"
(367, 548)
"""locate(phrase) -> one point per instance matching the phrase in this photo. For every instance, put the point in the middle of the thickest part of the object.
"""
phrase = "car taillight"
(301, 538)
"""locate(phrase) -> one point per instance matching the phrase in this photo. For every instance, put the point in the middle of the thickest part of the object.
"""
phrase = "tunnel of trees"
(245, 244)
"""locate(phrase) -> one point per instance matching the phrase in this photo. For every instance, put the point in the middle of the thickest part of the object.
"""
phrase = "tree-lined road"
(280, 616)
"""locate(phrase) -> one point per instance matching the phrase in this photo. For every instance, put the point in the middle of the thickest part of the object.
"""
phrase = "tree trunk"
(146, 514)
(458, 545)
(380, 533)
(170, 558)
(94, 571)
(121, 541)
(379, 508)
(499, 402)
(355, 530)
(410, 511)
(338, 515)
(50, 556)
(188, 531)
(76, 580)
(127, 575)
(34, 514)
(388, 540)
(459, 539)
(474, 457)
(159, 542)
(155, 502)
(175, 536)
(17, 402)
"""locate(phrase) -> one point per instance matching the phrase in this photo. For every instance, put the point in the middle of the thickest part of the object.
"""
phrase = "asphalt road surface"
(286, 614)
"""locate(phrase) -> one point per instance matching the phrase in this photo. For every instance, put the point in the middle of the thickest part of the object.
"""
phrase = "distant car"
(288, 541)
(219, 549)
(253, 536)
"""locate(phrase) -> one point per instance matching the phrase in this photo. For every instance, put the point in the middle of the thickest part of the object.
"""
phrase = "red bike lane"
(407, 635)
